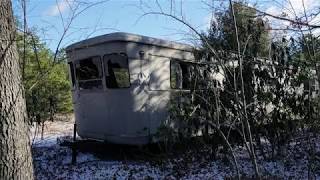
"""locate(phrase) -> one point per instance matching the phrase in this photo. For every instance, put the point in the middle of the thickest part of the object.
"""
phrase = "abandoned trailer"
(122, 85)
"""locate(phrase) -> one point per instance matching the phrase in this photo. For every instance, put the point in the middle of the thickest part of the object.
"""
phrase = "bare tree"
(244, 118)
(15, 153)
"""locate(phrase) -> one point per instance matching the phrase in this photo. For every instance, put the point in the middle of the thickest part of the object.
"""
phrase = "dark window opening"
(89, 73)
(90, 68)
(73, 80)
(117, 70)
(187, 75)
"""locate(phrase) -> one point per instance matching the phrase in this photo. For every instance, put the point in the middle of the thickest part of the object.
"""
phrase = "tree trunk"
(15, 152)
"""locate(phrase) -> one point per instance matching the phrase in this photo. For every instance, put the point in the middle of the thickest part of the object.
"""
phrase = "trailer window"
(89, 73)
(186, 75)
(181, 74)
(117, 70)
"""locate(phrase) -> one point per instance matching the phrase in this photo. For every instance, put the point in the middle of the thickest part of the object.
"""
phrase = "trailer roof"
(127, 37)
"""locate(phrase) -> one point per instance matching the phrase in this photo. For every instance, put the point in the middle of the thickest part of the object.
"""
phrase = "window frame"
(87, 80)
(178, 60)
(104, 70)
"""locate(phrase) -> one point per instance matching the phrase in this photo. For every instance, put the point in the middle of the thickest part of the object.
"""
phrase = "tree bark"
(15, 152)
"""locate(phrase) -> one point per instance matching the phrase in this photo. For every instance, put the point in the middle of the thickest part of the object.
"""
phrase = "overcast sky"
(125, 16)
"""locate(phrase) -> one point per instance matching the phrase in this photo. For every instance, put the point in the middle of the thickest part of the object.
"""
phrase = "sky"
(49, 18)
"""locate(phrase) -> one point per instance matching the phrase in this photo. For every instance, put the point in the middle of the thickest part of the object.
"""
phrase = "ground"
(52, 160)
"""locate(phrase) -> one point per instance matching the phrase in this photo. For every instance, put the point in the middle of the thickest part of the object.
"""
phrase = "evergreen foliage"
(47, 86)
(253, 30)
(280, 101)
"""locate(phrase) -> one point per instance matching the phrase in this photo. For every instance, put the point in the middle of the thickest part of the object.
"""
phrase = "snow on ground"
(101, 161)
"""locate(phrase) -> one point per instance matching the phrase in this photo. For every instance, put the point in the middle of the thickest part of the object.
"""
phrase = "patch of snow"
(52, 161)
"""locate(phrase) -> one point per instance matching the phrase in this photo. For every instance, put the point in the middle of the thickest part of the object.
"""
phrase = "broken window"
(89, 73)
(187, 75)
(181, 74)
(117, 70)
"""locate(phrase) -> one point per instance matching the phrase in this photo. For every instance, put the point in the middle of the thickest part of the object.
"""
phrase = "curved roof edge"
(127, 37)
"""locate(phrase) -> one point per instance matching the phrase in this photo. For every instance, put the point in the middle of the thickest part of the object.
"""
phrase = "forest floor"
(52, 160)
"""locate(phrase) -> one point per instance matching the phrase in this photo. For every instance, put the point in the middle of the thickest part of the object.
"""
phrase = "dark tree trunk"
(15, 153)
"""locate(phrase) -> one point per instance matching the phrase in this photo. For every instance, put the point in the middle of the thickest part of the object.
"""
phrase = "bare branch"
(292, 21)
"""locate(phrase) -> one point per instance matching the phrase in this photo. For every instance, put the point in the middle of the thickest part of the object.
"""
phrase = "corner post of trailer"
(74, 145)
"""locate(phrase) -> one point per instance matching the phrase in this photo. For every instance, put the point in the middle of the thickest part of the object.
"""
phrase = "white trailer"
(121, 85)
